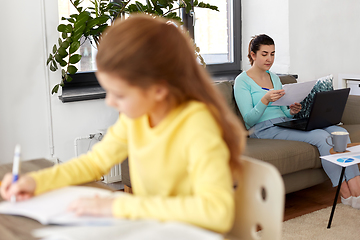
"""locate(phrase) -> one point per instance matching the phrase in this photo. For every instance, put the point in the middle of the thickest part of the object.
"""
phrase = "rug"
(345, 225)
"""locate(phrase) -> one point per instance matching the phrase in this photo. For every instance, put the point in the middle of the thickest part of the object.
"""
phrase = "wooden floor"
(309, 200)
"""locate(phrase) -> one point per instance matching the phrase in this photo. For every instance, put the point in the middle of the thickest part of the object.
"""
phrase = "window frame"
(85, 86)
(223, 68)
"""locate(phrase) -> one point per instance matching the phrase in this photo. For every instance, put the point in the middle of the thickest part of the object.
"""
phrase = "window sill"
(82, 94)
(84, 86)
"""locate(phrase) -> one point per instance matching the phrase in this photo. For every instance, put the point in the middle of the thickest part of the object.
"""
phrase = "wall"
(324, 38)
(23, 101)
(271, 18)
(41, 123)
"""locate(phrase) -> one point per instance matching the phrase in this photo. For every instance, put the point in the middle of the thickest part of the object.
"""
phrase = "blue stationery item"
(265, 89)
(16, 168)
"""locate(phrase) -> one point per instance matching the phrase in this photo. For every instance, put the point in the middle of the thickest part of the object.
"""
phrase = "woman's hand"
(22, 189)
(295, 108)
(272, 96)
(96, 206)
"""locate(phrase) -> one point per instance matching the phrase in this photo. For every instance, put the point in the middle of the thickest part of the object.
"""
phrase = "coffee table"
(339, 185)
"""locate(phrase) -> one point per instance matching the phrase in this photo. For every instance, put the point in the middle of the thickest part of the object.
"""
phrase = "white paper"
(345, 159)
(129, 230)
(51, 207)
(295, 92)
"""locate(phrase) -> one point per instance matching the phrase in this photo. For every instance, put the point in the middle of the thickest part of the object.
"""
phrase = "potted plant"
(89, 23)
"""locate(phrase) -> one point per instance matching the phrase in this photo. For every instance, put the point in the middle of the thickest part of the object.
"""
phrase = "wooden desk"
(19, 228)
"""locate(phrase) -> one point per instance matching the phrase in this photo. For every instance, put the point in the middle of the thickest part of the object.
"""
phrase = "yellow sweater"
(179, 169)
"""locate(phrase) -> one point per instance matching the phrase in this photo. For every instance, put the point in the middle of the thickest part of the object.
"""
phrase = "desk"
(339, 184)
(19, 228)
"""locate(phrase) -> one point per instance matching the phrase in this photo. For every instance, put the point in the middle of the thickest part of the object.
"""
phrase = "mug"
(339, 141)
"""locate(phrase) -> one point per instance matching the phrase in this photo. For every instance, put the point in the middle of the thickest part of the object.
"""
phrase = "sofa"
(298, 162)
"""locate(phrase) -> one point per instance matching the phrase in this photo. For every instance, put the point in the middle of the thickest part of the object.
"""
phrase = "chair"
(259, 200)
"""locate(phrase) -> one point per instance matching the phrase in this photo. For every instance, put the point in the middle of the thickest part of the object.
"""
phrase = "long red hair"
(144, 50)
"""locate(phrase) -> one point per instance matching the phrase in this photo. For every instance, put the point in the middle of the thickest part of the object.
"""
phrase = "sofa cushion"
(286, 79)
(226, 89)
(351, 113)
(354, 130)
(286, 155)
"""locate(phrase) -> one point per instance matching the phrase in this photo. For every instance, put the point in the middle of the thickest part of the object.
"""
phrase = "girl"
(254, 101)
(181, 139)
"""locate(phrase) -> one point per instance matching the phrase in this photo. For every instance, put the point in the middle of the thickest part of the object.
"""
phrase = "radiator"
(114, 175)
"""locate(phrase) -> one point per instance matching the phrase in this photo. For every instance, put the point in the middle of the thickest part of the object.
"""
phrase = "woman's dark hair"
(256, 42)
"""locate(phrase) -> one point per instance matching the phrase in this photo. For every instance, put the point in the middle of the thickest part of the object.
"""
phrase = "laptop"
(327, 109)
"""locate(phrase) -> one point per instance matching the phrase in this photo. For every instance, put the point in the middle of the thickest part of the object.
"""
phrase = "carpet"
(345, 225)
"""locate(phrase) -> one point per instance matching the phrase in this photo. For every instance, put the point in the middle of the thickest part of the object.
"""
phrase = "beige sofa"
(298, 162)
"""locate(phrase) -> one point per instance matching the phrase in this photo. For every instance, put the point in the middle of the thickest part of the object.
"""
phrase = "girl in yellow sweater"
(182, 141)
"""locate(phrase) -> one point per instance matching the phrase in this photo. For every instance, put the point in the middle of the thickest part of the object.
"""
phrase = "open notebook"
(50, 207)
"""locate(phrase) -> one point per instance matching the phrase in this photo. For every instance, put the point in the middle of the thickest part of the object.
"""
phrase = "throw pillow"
(322, 84)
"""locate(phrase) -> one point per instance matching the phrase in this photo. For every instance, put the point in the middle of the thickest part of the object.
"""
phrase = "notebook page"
(48, 207)
(129, 230)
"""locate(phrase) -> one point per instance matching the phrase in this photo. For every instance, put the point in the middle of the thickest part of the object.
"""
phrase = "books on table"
(51, 208)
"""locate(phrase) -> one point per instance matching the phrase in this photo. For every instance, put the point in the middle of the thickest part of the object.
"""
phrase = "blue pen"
(16, 168)
(265, 89)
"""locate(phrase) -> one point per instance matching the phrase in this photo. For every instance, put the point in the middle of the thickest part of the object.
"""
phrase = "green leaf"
(68, 78)
(59, 41)
(65, 44)
(139, 6)
(49, 59)
(75, 58)
(64, 35)
(74, 47)
(53, 66)
(63, 63)
(81, 19)
(54, 49)
(72, 69)
(62, 52)
(78, 33)
(58, 58)
(55, 89)
(65, 28)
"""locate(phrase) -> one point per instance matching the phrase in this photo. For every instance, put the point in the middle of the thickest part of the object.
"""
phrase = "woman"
(257, 88)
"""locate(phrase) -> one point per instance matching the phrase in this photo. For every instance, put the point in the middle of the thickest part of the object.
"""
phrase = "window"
(87, 50)
(218, 35)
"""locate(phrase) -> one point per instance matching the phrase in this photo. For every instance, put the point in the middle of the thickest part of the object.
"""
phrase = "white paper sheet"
(51, 207)
(295, 92)
(128, 230)
(345, 159)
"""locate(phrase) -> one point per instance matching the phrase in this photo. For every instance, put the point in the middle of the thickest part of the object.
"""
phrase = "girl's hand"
(272, 96)
(295, 108)
(22, 189)
(96, 206)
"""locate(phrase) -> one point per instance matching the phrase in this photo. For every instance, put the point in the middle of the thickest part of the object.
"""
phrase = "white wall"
(324, 38)
(23, 107)
(29, 115)
(271, 18)
(74, 119)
